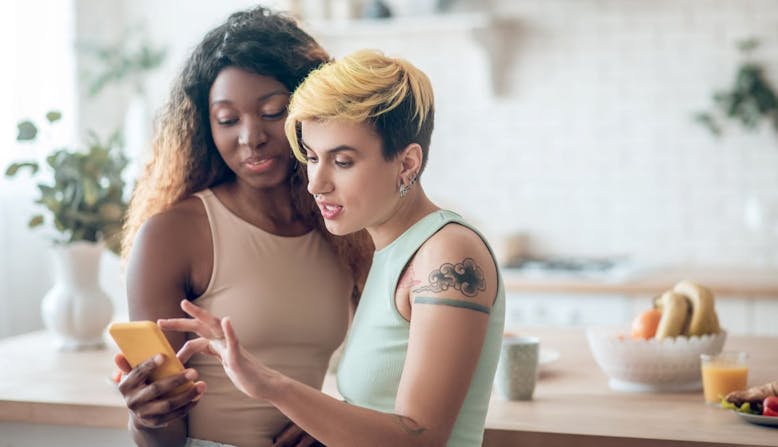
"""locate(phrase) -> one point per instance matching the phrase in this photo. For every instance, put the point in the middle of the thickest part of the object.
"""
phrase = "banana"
(704, 319)
(675, 308)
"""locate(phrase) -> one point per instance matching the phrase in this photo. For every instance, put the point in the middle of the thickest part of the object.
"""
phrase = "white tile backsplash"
(592, 150)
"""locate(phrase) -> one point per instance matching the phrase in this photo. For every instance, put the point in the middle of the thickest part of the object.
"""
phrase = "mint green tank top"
(374, 356)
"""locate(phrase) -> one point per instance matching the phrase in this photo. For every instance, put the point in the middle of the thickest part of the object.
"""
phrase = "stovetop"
(574, 267)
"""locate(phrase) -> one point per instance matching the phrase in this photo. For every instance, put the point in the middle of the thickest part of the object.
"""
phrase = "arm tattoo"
(453, 303)
(407, 281)
(409, 425)
(467, 277)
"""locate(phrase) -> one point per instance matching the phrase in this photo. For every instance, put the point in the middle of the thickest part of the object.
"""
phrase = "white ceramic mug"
(517, 368)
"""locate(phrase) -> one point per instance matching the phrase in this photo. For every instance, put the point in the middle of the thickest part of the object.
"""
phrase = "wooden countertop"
(39, 384)
(735, 282)
(573, 404)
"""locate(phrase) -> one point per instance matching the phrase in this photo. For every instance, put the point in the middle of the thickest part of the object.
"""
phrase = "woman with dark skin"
(221, 155)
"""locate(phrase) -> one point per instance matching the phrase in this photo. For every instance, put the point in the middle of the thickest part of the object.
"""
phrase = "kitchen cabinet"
(556, 310)
(765, 316)
(746, 299)
(16, 434)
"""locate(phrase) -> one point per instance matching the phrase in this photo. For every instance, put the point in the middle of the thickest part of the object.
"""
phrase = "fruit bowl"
(667, 365)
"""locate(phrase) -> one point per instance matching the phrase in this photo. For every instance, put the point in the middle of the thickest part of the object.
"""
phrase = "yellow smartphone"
(141, 340)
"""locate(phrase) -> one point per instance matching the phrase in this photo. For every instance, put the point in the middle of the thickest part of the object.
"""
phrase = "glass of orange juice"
(723, 373)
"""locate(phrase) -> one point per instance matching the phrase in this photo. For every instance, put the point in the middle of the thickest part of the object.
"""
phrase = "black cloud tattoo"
(466, 276)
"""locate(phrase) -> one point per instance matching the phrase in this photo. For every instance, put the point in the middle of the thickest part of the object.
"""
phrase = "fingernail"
(159, 359)
(190, 374)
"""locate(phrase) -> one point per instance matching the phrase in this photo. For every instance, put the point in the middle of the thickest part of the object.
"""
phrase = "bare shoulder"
(172, 241)
(456, 241)
(178, 222)
(455, 263)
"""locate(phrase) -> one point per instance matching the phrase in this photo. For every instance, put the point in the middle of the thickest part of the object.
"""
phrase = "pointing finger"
(192, 347)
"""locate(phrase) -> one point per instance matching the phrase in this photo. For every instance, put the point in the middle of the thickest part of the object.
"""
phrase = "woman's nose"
(317, 182)
(252, 133)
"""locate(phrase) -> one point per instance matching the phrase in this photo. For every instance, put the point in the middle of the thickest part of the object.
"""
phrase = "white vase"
(76, 310)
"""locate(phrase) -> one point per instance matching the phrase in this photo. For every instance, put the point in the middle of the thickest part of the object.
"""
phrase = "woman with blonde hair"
(221, 218)
(420, 357)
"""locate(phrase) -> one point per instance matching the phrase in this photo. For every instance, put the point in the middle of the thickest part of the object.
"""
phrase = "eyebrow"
(334, 150)
(261, 98)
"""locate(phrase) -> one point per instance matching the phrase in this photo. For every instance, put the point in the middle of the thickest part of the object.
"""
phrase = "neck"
(409, 210)
(268, 208)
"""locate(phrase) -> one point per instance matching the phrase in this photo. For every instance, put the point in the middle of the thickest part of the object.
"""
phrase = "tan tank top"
(288, 301)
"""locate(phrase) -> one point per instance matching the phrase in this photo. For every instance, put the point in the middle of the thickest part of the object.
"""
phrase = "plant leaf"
(747, 45)
(707, 120)
(13, 168)
(35, 221)
(91, 191)
(54, 116)
(26, 131)
(110, 212)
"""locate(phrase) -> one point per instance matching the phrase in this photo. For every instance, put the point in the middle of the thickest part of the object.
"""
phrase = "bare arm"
(159, 274)
(444, 347)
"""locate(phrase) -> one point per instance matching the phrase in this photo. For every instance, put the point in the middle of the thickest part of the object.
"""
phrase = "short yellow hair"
(391, 94)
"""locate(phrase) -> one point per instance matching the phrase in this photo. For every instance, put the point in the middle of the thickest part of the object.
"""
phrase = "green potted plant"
(750, 101)
(85, 196)
(82, 198)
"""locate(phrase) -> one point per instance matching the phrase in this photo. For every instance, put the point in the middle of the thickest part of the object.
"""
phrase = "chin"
(334, 229)
(279, 179)
(338, 229)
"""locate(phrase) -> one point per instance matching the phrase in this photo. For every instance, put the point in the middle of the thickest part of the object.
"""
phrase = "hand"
(150, 403)
(217, 337)
(294, 436)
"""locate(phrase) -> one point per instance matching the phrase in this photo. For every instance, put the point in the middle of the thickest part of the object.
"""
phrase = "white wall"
(594, 151)
(591, 149)
(42, 44)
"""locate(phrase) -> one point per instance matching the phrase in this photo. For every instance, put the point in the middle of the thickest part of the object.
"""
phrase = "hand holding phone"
(141, 340)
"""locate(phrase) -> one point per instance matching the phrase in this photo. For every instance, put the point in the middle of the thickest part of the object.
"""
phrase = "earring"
(404, 189)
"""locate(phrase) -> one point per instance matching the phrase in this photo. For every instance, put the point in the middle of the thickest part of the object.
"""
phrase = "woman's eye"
(343, 164)
(274, 115)
(311, 158)
(226, 122)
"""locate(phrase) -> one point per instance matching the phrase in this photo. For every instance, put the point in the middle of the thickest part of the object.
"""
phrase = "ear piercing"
(405, 188)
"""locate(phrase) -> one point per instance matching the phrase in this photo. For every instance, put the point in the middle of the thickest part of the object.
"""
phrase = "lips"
(258, 164)
(329, 210)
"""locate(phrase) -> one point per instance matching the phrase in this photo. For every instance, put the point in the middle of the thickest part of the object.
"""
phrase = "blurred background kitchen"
(580, 135)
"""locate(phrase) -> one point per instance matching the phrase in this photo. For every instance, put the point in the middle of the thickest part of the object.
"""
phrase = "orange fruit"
(644, 325)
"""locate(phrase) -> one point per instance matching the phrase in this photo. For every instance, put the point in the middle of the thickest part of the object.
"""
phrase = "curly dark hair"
(184, 157)
(258, 41)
